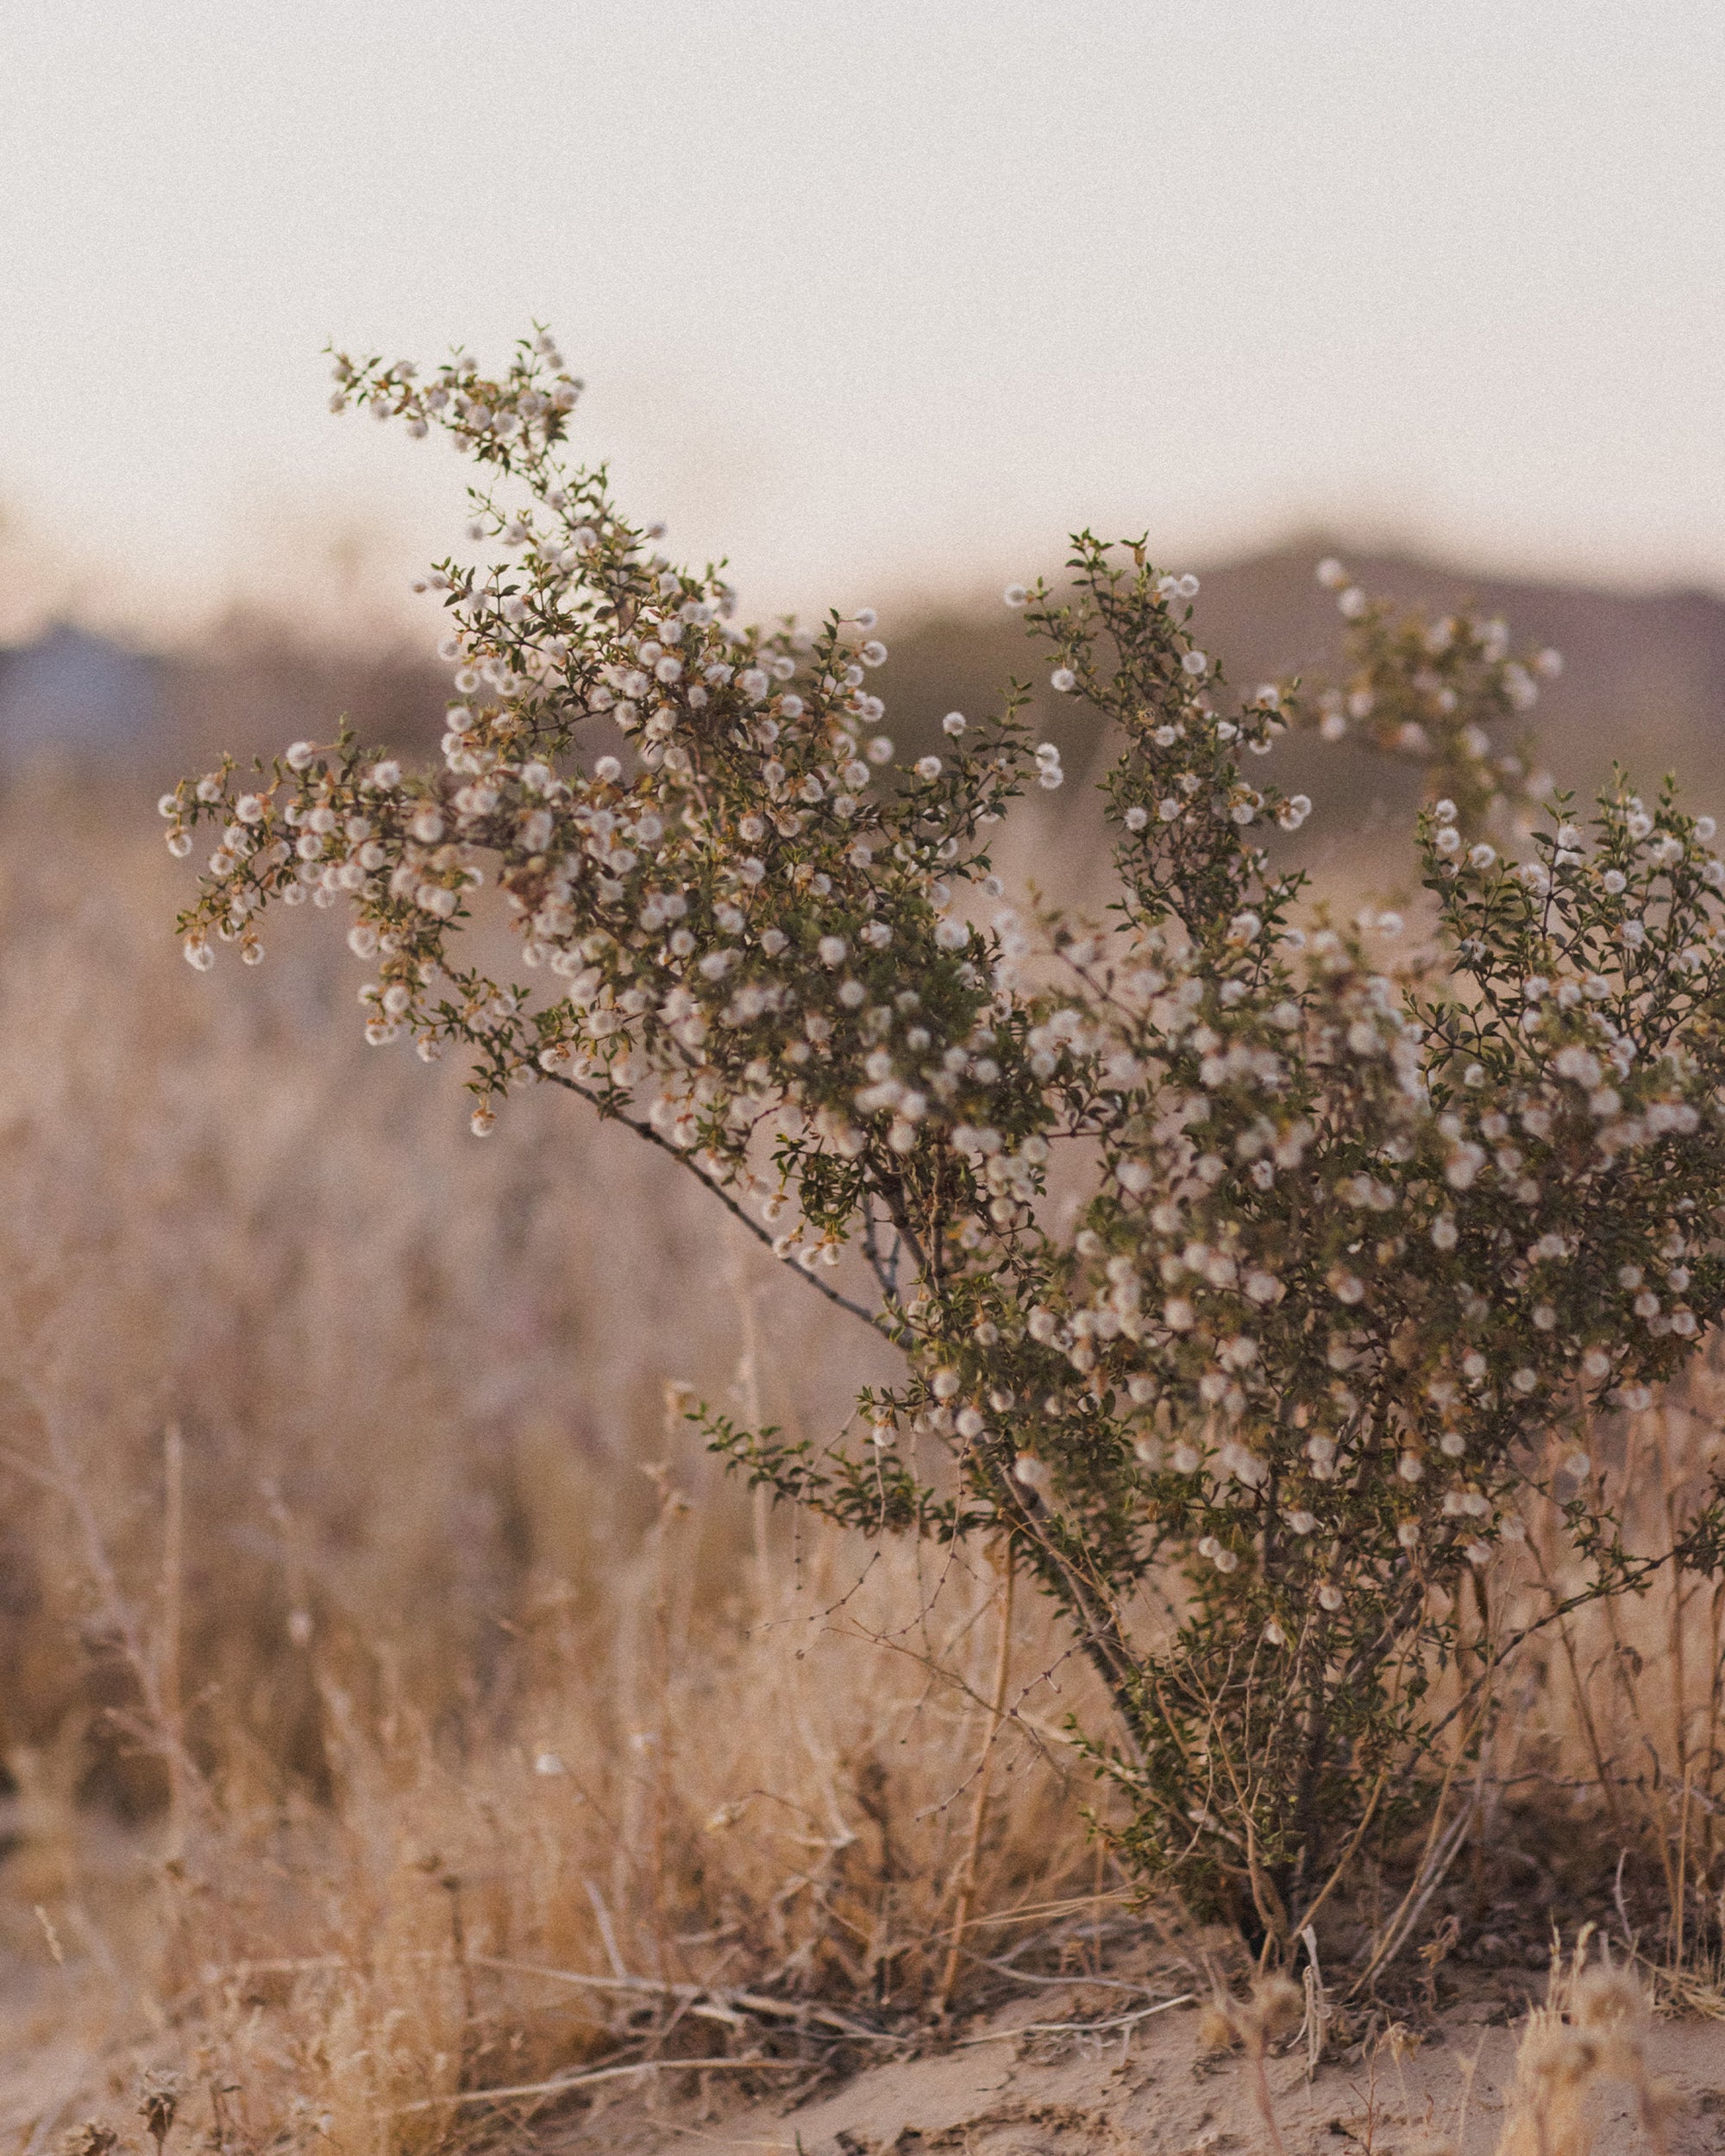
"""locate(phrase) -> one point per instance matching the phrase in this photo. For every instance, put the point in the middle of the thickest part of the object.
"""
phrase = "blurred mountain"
(71, 692)
(1644, 682)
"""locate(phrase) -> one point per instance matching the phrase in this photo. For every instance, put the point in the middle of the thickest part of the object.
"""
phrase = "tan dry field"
(372, 1640)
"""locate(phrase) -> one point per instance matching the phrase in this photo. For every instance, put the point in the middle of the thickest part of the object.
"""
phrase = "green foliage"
(1357, 1226)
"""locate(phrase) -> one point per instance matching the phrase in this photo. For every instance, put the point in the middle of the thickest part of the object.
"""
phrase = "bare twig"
(799, 2010)
(585, 2080)
(875, 1320)
(967, 1871)
(1081, 2029)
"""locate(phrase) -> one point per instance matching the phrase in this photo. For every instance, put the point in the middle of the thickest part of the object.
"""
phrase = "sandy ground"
(1007, 2085)
(1005, 2090)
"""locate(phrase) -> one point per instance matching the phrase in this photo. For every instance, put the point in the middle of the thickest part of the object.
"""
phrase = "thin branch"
(884, 1265)
(1080, 2028)
(997, 1707)
(733, 2002)
(598, 2073)
(873, 1320)
(1639, 1571)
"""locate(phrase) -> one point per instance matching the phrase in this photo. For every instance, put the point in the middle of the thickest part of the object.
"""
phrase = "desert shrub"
(1241, 1264)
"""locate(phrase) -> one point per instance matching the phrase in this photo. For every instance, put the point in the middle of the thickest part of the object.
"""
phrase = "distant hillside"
(1644, 677)
(1644, 680)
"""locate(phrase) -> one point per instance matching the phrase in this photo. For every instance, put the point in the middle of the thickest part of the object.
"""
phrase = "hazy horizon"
(850, 309)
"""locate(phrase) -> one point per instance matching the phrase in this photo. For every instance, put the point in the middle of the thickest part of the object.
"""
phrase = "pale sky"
(881, 298)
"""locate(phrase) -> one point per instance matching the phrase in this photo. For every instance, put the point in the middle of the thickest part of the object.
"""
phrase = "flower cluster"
(744, 898)
(1363, 1219)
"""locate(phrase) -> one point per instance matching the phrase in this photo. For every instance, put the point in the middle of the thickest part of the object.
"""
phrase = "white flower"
(1464, 1164)
(1015, 595)
(1194, 663)
(953, 723)
(830, 950)
(1063, 679)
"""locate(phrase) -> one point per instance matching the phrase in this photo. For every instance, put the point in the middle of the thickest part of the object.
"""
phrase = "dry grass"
(390, 1676)
(398, 1706)
(1591, 2031)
